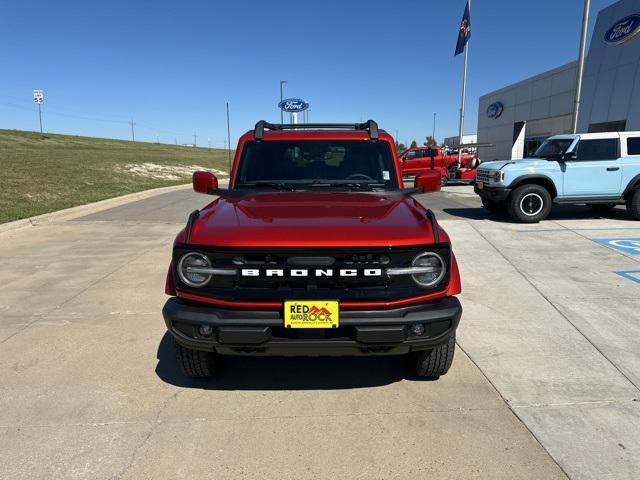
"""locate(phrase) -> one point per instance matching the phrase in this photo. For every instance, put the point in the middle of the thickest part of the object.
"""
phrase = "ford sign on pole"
(293, 105)
(624, 30)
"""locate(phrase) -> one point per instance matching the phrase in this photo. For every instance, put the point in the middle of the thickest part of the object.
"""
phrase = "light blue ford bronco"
(601, 170)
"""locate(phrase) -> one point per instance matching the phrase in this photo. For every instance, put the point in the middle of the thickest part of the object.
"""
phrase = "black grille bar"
(263, 286)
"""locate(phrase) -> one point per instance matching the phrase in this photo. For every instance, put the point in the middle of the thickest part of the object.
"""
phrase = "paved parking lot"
(545, 380)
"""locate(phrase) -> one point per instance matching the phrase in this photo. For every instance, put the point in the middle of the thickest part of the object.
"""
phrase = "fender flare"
(543, 180)
(633, 183)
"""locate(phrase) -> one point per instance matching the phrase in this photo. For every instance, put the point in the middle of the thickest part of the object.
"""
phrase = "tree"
(400, 147)
(431, 142)
(414, 144)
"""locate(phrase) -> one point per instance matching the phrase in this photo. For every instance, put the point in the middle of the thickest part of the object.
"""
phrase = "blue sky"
(172, 65)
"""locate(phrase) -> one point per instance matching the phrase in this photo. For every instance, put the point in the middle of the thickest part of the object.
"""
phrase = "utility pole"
(583, 47)
(158, 139)
(209, 142)
(133, 133)
(228, 139)
(282, 82)
(175, 139)
(195, 138)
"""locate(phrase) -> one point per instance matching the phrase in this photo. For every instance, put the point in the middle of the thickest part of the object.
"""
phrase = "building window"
(617, 126)
(600, 149)
(633, 146)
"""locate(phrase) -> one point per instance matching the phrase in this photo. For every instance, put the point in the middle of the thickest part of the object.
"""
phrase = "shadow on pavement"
(560, 212)
(287, 373)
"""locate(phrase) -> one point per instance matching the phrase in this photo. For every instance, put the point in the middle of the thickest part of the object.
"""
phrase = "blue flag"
(464, 34)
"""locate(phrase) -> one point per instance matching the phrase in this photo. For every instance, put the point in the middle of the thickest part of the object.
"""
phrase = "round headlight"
(433, 269)
(190, 269)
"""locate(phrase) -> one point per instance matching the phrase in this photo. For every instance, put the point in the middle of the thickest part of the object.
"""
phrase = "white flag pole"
(464, 94)
(583, 47)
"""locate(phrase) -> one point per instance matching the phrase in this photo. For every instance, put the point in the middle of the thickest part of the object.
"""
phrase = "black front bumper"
(377, 332)
(496, 194)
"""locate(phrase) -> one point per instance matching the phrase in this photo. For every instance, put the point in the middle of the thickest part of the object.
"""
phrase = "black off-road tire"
(436, 362)
(601, 208)
(497, 208)
(529, 203)
(633, 204)
(195, 363)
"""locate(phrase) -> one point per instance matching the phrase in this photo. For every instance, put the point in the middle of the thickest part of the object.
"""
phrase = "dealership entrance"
(543, 105)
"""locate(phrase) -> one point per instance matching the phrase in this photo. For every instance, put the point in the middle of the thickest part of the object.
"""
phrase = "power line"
(56, 112)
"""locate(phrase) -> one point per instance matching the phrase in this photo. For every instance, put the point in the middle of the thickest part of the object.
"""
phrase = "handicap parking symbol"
(633, 275)
(630, 246)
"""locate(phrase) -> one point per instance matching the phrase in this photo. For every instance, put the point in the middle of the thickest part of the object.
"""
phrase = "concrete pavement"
(89, 388)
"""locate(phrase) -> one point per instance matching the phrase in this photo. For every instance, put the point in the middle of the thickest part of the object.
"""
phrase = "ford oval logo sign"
(495, 110)
(624, 30)
(293, 105)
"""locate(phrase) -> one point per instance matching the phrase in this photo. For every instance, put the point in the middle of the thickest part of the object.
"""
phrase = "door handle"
(612, 169)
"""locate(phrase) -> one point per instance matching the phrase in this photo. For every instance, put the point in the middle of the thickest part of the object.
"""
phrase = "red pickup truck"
(316, 248)
(419, 159)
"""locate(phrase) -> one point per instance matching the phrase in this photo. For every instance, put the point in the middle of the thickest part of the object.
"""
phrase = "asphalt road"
(545, 381)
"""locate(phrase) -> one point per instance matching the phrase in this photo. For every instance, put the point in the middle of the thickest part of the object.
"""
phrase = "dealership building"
(455, 141)
(516, 119)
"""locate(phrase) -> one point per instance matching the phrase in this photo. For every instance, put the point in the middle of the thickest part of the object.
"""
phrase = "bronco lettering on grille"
(318, 272)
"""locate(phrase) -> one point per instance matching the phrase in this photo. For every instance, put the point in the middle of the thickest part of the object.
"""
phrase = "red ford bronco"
(314, 249)
(418, 159)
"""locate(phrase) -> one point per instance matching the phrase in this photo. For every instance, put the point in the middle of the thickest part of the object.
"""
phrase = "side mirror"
(204, 182)
(428, 181)
(570, 156)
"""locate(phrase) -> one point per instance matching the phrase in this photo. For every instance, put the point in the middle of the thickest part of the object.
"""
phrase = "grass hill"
(41, 175)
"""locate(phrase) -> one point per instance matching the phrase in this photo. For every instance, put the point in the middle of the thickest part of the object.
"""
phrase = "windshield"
(317, 164)
(553, 149)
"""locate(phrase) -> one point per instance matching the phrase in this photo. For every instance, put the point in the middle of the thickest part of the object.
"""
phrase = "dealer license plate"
(480, 185)
(311, 314)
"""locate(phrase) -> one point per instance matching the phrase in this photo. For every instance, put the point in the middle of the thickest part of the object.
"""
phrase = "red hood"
(313, 219)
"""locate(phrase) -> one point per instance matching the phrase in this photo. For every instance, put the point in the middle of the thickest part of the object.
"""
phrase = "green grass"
(41, 175)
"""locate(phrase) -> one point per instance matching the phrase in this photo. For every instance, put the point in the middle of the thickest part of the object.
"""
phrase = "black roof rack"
(369, 125)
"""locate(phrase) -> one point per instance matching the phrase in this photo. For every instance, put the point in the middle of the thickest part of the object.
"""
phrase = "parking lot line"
(603, 229)
(633, 275)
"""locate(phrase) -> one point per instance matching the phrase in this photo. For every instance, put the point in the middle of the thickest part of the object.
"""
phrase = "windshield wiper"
(272, 185)
(365, 187)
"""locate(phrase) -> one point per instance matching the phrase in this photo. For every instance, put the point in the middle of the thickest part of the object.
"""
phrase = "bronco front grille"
(484, 175)
(368, 283)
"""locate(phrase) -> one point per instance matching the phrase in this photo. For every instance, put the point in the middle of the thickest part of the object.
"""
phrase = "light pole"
(434, 127)
(282, 82)
(583, 47)
(228, 140)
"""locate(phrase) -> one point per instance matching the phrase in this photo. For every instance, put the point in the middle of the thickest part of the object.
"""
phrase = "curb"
(81, 210)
